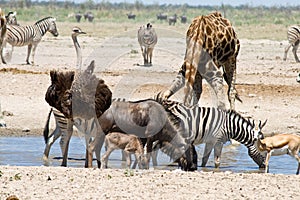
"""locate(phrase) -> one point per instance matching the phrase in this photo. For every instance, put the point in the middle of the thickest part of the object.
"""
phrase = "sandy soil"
(265, 83)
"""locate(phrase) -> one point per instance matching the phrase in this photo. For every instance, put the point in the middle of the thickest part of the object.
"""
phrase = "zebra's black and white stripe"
(86, 127)
(213, 127)
(17, 35)
(147, 39)
(293, 36)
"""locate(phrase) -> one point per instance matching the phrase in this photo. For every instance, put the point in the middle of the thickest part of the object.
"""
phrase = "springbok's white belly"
(281, 151)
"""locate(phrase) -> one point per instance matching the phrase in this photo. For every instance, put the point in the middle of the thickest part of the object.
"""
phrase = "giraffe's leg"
(28, 54)
(230, 78)
(295, 47)
(215, 80)
(286, 51)
(190, 75)
(197, 88)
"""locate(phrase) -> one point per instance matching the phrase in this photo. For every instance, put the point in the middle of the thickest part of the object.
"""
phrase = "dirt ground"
(266, 84)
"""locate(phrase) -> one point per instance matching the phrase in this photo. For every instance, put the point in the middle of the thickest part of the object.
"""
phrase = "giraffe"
(211, 43)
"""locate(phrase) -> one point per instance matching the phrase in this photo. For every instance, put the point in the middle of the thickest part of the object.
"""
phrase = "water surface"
(28, 151)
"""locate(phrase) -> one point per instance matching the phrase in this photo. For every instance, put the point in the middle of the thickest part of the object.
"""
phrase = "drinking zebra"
(147, 39)
(293, 36)
(30, 35)
(213, 127)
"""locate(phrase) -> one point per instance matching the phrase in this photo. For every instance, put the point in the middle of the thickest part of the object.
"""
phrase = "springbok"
(277, 145)
(130, 144)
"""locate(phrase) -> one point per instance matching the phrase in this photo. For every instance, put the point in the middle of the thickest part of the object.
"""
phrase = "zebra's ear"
(14, 13)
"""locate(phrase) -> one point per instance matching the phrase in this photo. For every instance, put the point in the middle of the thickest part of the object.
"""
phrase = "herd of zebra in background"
(211, 126)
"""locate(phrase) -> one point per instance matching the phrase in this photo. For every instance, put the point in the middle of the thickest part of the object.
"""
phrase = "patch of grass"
(129, 172)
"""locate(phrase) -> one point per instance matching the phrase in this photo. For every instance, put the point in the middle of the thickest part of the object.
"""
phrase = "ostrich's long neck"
(78, 52)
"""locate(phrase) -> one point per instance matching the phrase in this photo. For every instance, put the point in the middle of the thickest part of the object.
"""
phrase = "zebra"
(3, 30)
(87, 127)
(298, 78)
(30, 35)
(6, 53)
(214, 127)
(147, 39)
(293, 36)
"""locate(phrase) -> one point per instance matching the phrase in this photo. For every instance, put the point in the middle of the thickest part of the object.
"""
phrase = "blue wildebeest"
(145, 119)
(173, 19)
(131, 15)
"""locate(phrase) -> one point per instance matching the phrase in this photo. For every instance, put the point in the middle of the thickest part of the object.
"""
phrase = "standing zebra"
(293, 36)
(147, 39)
(30, 35)
(213, 127)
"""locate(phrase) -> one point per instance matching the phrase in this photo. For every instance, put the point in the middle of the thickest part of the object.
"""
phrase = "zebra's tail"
(46, 128)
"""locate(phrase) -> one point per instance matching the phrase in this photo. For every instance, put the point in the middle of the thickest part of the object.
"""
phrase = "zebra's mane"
(43, 20)
(233, 112)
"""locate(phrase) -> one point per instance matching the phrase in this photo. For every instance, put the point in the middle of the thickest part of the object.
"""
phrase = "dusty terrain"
(266, 84)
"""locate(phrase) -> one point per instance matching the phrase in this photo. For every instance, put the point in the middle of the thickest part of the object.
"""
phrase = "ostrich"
(60, 120)
(77, 31)
(62, 82)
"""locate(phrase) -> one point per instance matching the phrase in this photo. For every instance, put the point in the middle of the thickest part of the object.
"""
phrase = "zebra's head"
(256, 131)
(52, 27)
(11, 18)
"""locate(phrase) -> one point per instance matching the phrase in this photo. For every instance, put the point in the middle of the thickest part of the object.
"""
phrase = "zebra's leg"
(217, 153)
(28, 53)
(295, 47)
(65, 144)
(128, 158)
(33, 53)
(53, 137)
(150, 52)
(286, 51)
(207, 150)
